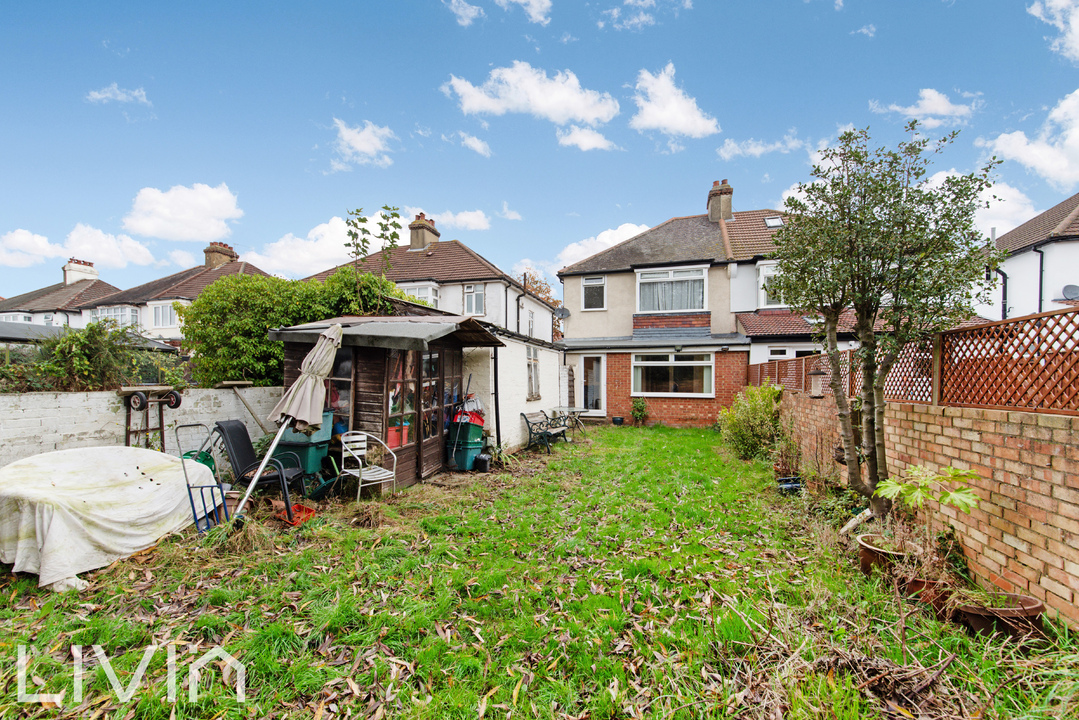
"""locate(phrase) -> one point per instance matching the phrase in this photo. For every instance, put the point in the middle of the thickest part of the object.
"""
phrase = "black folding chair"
(245, 463)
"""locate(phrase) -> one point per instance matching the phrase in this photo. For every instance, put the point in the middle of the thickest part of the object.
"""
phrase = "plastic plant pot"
(872, 553)
(617, 420)
(1014, 616)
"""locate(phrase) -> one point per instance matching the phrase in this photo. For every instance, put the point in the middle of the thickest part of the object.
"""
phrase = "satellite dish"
(1071, 292)
(562, 313)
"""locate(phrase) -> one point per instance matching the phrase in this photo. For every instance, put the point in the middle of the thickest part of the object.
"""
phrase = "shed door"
(430, 413)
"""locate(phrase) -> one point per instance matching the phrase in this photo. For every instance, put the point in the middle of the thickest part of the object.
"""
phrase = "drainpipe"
(517, 303)
(1041, 274)
(1003, 295)
(498, 411)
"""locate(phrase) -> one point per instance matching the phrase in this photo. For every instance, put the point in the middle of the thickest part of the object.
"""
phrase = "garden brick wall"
(35, 423)
(1024, 534)
(730, 378)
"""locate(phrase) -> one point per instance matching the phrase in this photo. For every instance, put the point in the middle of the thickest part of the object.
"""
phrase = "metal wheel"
(137, 401)
(172, 399)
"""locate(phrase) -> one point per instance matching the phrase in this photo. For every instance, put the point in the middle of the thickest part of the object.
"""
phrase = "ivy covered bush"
(225, 328)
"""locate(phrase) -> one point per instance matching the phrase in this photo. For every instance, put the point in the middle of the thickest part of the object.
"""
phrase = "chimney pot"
(422, 232)
(719, 201)
(77, 270)
(218, 254)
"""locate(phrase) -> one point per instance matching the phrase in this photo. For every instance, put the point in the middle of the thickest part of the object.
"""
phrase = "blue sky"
(535, 131)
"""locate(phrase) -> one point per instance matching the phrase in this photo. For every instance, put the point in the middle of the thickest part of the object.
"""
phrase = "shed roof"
(30, 333)
(396, 332)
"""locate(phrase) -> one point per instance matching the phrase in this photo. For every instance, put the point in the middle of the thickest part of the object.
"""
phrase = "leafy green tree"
(226, 327)
(874, 234)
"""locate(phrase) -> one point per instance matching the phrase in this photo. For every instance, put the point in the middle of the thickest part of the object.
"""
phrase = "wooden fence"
(1029, 363)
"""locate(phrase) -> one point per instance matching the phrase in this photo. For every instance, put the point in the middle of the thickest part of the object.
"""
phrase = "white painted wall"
(1061, 267)
(37, 423)
(512, 387)
(743, 283)
(761, 352)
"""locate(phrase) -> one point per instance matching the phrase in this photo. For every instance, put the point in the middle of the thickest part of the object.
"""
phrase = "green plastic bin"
(464, 432)
(466, 452)
(310, 454)
(321, 435)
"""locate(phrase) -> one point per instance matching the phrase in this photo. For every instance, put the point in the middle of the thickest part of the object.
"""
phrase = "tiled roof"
(186, 284)
(59, 296)
(765, 323)
(690, 239)
(449, 261)
(1059, 221)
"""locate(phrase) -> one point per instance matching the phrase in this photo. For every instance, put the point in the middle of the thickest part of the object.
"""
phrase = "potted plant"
(1012, 615)
(786, 455)
(883, 551)
(928, 578)
(639, 411)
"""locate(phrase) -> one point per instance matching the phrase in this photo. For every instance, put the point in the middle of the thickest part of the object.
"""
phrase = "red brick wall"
(1024, 534)
(680, 320)
(730, 378)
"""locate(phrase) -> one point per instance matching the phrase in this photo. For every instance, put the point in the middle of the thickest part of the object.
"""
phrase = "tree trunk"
(839, 394)
(872, 419)
(885, 367)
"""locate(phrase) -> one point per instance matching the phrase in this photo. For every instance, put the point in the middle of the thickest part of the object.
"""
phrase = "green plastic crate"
(464, 432)
(466, 453)
(310, 454)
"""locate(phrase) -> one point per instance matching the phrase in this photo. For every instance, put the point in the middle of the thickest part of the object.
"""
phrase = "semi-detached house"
(676, 314)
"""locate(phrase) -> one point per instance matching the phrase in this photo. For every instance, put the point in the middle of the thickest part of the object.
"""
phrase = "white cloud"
(1064, 16)
(508, 214)
(22, 248)
(583, 138)
(321, 249)
(628, 21)
(756, 148)
(521, 88)
(575, 252)
(1054, 153)
(114, 93)
(664, 107)
(475, 144)
(465, 220)
(465, 13)
(365, 145)
(933, 109)
(538, 11)
(182, 258)
(838, 4)
(869, 30)
(199, 213)
(1008, 208)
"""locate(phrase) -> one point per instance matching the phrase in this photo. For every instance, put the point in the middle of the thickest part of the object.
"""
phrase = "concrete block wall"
(1024, 534)
(35, 423)
(730, 378)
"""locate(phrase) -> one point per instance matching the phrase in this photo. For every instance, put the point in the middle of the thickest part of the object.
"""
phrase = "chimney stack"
(422, 232)
(719, 201)
(77, 270)
(217, 254)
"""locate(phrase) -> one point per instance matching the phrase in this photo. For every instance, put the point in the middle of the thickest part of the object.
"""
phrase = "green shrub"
(750, 424)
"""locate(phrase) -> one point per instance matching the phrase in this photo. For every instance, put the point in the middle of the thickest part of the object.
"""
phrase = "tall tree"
(874, 234)
(534, 282)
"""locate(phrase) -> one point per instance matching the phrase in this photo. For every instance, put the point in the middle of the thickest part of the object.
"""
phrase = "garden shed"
(395, 377)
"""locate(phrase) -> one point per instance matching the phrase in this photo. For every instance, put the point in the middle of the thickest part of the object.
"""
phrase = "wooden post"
(937, 345)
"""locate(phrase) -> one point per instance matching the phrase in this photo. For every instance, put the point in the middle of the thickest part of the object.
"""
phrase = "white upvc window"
(594, 292)
(766, 298)
(474, 299)
(16, 317)
(164, 316)
(531, 323)
(673, 374)
(672, 290)
(427, 293)
(122, 315)
(533, 372)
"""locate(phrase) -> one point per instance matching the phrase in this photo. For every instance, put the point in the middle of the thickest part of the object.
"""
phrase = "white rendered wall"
(743, 288)
(37, 423)
(1061, 267)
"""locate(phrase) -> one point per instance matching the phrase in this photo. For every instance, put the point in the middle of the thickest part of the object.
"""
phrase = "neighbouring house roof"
(400, 332)
(658, 337)
(686, 240)
(444, 261)
(1057, 223)
(59, 297)
(787, 323)
(184, 285)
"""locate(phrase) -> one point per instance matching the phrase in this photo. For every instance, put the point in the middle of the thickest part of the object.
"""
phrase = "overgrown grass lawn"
(644, 573)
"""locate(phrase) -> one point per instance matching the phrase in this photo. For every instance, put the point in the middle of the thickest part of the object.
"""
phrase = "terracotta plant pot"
(871, 554)
(937, 593)
(1014, 616)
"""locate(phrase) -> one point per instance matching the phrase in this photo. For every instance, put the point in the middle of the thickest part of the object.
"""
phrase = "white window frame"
(765, 271)
(778, 352)
(532, 362)
(601, 411)
(531, 323)
(124, 315)
(670, 277)
(17, 317)
(670, 362)
(427, 293)
(468, 299)
(594, 281)
(163, 314)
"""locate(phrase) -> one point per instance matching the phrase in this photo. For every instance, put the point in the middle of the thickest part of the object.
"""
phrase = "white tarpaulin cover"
(66, 512)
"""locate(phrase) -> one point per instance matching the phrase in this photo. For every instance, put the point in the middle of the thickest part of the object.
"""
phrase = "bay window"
(681, 374)
(670, 290)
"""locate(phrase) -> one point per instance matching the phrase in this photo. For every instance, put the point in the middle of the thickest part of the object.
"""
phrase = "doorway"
(593, 382)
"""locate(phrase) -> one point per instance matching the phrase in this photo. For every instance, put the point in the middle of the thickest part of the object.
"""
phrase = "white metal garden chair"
(354, 461)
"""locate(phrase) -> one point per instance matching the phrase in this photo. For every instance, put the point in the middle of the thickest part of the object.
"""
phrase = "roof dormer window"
(773, 222)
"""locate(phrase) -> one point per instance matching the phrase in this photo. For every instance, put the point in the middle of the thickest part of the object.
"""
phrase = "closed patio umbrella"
(302, 404)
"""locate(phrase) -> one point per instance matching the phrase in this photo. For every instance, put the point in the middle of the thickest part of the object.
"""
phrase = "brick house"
(58, 304)
(676, 314)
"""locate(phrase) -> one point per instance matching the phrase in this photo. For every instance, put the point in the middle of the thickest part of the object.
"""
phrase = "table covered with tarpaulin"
(69, 511)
